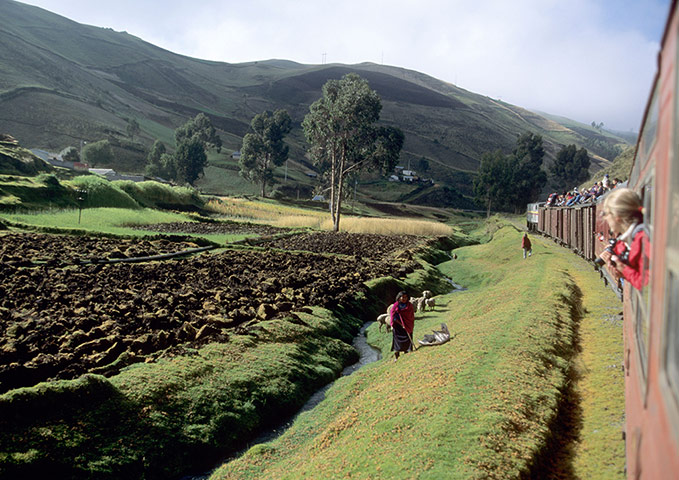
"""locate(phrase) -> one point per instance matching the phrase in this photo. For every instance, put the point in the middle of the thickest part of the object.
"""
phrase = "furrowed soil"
(59, 321)
(201, 228)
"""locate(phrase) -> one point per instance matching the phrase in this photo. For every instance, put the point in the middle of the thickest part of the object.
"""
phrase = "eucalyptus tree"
(201, 128)
(343, 136)
(190, 160)
(493, 180)
(264, 148)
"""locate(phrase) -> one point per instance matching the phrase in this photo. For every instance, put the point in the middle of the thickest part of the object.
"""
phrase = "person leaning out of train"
(623, 212)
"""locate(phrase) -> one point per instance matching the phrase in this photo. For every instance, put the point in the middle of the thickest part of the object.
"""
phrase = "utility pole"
(324, 56)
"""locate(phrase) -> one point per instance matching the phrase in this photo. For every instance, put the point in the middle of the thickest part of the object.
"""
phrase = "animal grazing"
(431, 303)
(384, 320)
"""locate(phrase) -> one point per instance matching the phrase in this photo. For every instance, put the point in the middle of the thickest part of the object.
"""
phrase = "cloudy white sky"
(590, 60)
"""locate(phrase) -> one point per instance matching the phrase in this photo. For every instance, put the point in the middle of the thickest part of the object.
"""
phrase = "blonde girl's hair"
(626, 204)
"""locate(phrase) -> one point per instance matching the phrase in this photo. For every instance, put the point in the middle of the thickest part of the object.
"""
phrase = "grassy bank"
(483, 405)
(48, 191)
(155, 419)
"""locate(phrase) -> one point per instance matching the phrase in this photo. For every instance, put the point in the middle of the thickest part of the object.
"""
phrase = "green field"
(531, 353)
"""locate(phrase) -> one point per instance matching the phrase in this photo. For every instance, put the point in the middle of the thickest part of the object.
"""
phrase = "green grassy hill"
(63, 83)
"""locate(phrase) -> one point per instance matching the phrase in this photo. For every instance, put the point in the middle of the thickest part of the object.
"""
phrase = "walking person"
(402, 318)
(526, 245)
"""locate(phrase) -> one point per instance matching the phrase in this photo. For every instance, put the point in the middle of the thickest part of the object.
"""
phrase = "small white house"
(318, 198)
(104, 172)
(394, 178)
(236, 155)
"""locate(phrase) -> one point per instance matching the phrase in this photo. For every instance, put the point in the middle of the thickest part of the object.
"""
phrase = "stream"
(367, 354)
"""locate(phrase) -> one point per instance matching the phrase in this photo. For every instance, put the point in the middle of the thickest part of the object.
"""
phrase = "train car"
(651, 327)
(532, 216)
(651, 315)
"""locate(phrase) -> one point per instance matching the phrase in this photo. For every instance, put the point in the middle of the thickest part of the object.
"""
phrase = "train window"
(648, 136)
(647, 195)
(641, 299)
(672, 331)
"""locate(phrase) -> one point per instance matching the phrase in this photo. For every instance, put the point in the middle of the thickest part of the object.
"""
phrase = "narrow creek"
(367, 355)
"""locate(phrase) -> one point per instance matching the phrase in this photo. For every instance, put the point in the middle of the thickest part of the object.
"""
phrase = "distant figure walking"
(526, 245)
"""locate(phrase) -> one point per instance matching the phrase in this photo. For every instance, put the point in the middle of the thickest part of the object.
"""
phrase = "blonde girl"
(624, 214)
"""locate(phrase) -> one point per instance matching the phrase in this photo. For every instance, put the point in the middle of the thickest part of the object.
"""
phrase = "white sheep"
(431, 303)
(420, 304)
(427, 294)
(384, 320)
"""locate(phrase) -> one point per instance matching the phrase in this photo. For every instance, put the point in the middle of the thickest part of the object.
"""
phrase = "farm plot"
(362, 245)
(24, 248)
(59, 322)
(201, 228)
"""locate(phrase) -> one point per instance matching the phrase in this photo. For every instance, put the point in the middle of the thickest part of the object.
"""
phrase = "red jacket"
(407, 316)
(525, 243)
(640, 252)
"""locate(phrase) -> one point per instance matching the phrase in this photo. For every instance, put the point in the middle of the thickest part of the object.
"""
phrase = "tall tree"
(341, 131)
(200, 128)
(190, 160)
(528, 177)
(264, 148)
(386, 150)
(98, 153)
(493, 180)
(570, 168)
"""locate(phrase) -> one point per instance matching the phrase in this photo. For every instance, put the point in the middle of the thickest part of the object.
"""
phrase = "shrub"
(155, 194)
(102, 193)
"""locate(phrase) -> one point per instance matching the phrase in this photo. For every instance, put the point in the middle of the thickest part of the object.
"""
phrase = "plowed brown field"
(59, 321)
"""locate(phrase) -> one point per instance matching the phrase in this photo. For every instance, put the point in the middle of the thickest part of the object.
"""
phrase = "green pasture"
(531, 349)
(111, 221)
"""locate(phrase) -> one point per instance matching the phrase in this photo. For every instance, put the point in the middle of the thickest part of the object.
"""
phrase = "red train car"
(651, 326)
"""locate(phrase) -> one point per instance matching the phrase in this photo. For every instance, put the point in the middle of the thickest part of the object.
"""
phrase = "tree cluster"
(264, 148)
(509, 182)
(570, 168)
(188, 162)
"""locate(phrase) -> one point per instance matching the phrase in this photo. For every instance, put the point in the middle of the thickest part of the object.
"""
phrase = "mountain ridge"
(63, 83)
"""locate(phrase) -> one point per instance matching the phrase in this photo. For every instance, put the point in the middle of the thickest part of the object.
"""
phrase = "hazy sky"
(590, 60)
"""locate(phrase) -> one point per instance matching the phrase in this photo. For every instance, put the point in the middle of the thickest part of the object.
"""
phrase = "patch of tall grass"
(102, 193)
(154, 194)
(287, 216)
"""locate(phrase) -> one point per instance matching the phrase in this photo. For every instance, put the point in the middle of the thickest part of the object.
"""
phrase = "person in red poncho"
(402, 317)
(631, 254)
(526, 245)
